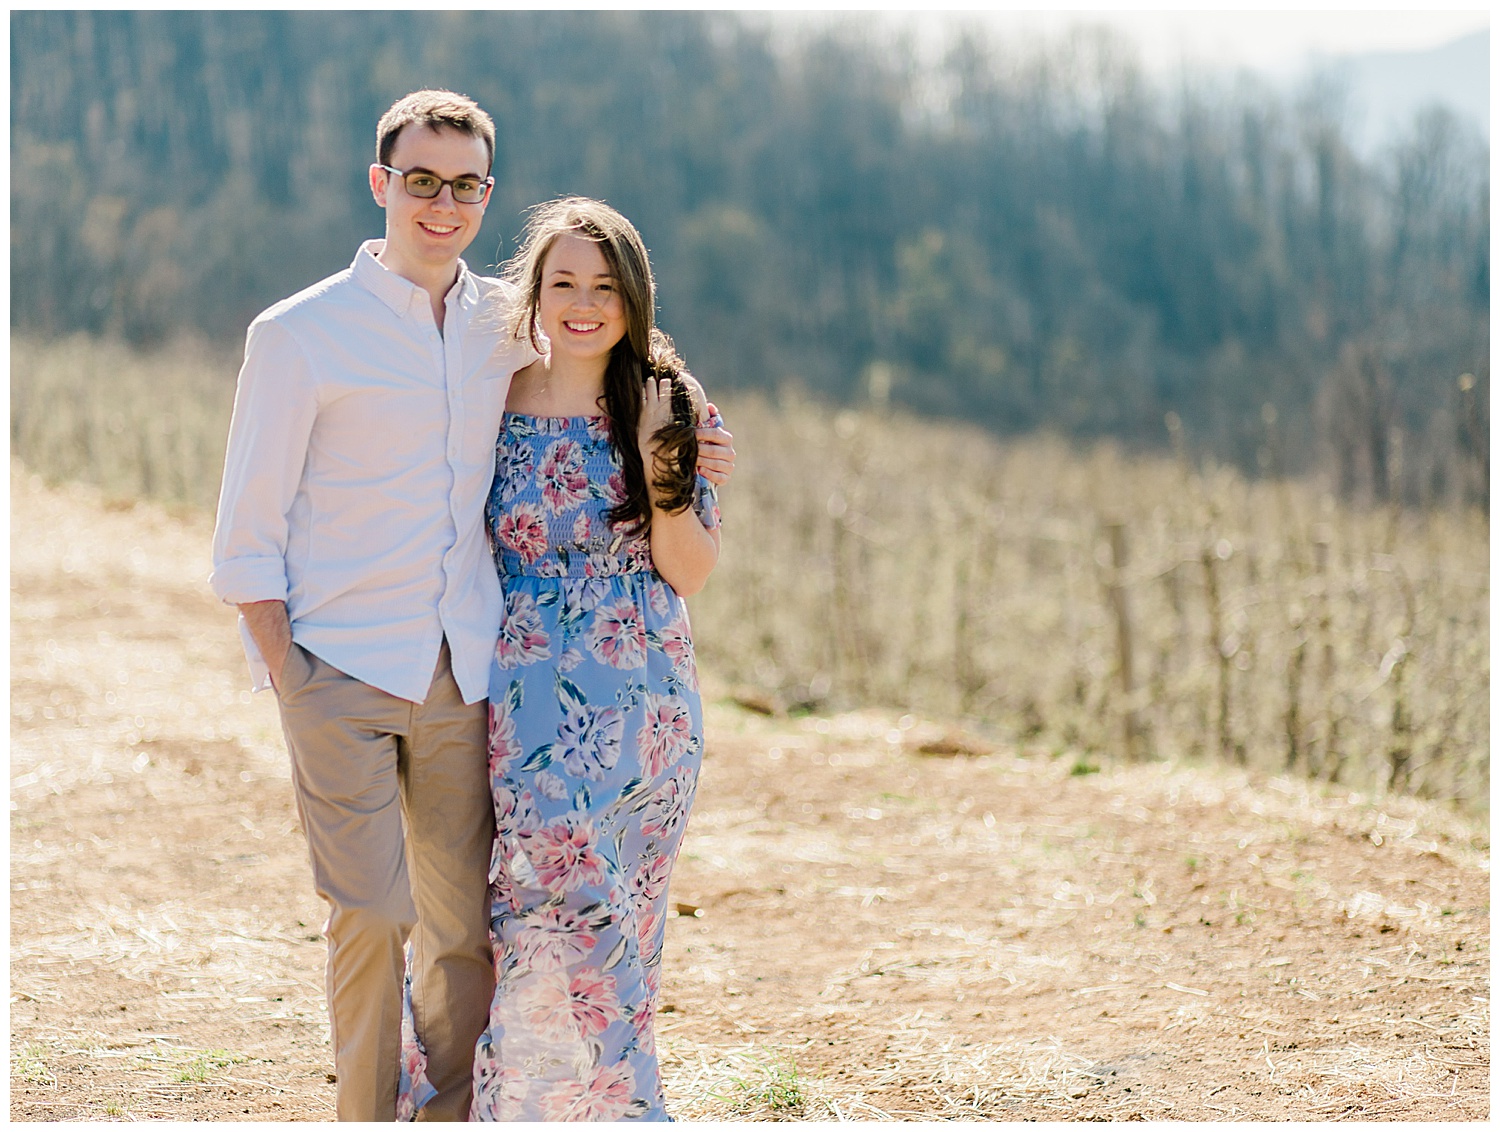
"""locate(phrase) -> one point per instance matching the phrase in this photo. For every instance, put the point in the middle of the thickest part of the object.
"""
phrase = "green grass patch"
(29, 1065)
(770, 1083)
(204, 1063)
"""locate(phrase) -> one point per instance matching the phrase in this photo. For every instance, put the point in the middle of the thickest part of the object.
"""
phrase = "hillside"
(1021, 236)
(876, 917)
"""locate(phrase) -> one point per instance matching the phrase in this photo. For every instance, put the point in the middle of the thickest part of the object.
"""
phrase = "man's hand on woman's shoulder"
(715, 443)
(715, 448)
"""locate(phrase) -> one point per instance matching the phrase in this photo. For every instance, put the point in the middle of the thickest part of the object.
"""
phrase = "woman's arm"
(682, 549)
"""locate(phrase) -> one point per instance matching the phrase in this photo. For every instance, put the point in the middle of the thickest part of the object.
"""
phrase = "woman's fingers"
(656, 391)
(656, 409)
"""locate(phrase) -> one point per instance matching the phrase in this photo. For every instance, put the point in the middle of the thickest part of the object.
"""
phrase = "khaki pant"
(394, 799)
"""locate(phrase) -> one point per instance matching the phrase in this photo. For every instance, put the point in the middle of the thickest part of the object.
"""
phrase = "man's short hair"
(436, 109)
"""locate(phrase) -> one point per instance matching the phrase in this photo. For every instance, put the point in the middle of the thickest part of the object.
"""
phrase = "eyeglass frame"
(488, 183)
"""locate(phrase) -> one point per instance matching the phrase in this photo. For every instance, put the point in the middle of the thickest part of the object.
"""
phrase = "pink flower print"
(543, 998)
(602, 1095)
(565, 854)
(581, 528)
(667, 808)
(523, 529)
(503, 745)
(512, 470)
(707, 507)
(514, 813)
(415, 1090)
(590, 740)
(502, 893)
(647, 933)
(570, 659)
(528, 814)
(656, 594)
(564, 1008)
(617, 636)
(638, 556)
(666, 735)
(498, 1091)
(581, 595)
(561, 478)
(601, 564)
(677, 643)
(643, 1022)
(598, 428)
(614, 488)
(593, 1001)
(649, 882)
(555, 936)
(522, 639)
(505, 805)
(549, 785)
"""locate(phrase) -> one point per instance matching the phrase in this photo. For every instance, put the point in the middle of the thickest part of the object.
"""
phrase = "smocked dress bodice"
(556, 478)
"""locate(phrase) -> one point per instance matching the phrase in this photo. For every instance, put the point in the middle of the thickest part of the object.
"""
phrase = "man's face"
(434, 232)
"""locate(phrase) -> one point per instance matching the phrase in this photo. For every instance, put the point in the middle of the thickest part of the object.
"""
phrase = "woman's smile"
(580, 306)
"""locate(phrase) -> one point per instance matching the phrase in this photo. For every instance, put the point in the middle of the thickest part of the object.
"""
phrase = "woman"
(600, 528)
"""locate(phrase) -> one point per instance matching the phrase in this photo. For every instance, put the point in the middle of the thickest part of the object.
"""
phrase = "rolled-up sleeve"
(275, 404)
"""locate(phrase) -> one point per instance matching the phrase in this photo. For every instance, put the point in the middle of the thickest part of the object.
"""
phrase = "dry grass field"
(878, 916)
(1102, 603)
(1097, 603)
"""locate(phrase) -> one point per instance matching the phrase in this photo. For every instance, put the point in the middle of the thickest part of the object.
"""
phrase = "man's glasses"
(419, 183)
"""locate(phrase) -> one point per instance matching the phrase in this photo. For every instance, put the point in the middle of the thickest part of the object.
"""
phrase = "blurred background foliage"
(1037, 241)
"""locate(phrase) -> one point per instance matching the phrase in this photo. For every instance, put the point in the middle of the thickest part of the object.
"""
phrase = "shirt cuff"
(240, 581)
(260, 672)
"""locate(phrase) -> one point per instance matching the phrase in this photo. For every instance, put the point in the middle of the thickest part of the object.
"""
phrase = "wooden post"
(1400, 750)
(1210, 559)
(1296, 662)
(1114, 586)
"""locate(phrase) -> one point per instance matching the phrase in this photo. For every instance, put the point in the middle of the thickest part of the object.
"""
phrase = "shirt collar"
(399, 293)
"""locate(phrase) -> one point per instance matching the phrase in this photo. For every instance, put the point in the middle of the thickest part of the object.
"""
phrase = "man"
(350, 535)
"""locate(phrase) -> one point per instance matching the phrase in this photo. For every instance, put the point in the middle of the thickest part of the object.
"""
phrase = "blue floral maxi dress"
(596, 736)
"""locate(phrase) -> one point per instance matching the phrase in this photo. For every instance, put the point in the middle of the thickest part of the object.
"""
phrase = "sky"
(1273, 42)
(1276, 43)
(1285, 48)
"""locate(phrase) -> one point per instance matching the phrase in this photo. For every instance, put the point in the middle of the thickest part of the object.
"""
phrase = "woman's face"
(581, 309)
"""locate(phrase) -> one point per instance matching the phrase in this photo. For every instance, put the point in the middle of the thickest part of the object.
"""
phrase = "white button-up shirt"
(360, 455)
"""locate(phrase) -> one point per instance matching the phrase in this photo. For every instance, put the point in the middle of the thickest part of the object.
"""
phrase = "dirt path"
(864, 930)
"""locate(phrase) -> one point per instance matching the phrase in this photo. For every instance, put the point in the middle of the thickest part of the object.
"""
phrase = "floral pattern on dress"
(596, 737)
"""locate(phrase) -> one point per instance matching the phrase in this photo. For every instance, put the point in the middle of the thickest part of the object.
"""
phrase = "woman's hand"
(683, 551)
(698, 398)
(715, 444)
(656, 413)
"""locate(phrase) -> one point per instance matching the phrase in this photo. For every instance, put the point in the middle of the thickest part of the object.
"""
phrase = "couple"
(493, 770)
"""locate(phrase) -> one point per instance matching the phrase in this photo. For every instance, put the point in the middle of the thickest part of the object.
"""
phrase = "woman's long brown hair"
(644, 353)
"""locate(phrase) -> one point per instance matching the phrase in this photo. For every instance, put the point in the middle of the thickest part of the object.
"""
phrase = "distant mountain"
(1387, 89)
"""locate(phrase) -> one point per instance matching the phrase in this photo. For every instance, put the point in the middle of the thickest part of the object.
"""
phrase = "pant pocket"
(296, 670)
